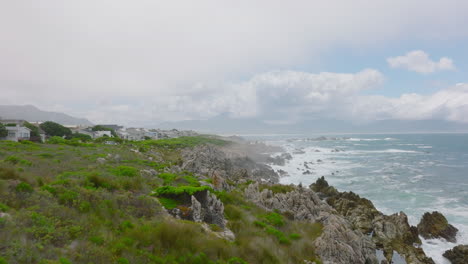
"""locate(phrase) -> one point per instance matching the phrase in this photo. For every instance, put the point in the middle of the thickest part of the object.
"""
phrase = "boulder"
(435, 225)
(458, 254)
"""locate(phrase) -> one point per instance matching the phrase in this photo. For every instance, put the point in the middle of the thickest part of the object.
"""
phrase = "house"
(93, 134)
(17, 133)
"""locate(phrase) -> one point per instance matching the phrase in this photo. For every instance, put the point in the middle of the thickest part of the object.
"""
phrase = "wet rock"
(435, 225)
(458, 254)
(307, 172)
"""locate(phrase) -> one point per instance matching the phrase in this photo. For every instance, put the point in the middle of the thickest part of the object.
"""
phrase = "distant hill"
(33, 114)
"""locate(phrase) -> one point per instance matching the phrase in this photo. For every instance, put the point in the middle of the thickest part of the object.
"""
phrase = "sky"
(281, 62)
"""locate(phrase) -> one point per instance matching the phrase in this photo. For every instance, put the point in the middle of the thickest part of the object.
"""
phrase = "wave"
(370, 139)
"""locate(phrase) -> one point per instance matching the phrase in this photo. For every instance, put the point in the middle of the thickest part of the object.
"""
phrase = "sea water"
(413, 173)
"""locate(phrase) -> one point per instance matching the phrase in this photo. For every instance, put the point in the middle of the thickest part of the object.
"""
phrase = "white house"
(16, 133)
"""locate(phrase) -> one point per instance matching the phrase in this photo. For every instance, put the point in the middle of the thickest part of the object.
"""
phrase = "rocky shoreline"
(354, 231)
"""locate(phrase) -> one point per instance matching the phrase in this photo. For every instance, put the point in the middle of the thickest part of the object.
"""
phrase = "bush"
(8, 174)
(175, 191)
(125, 171)
(274, 219)
(3, 131)
(12, 160)
(55, 129)
(24, 187)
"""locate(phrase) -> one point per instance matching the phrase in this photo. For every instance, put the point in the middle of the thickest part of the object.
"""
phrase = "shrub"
(8, 174)
(55, 129)
(3, 207)
(125, 171)
(23, 187)
(3, 131)
(277, 188)
(167, 177)
(274, 219)
(98, 240)
(3, 261)
(168, 203)
(175, 191)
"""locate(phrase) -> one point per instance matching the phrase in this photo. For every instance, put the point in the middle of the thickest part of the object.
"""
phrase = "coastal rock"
(207, 208)
(208, 160)
(389, 233)
(458, 254)
(196, 210)
(435, 225)
(338, 243)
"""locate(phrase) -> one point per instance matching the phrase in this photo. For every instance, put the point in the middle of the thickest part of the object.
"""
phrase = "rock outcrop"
(208, 161)
(458, 254)
(338, 243)
(435, 225)
(389, 233)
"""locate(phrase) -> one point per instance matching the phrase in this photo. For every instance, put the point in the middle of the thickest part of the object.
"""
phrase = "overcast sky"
(148, 61)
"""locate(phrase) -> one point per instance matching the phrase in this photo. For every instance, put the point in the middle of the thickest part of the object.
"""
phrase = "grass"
(68, 208)
(126, 171)
(176, 191)
(183, 142)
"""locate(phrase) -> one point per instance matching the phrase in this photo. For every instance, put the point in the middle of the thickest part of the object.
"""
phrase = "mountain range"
(33, 114)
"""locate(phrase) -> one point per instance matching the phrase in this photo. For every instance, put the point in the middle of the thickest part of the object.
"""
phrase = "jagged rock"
(196, 210)
(390, 233)
(279, 160)
(338, 243)
(207, 160)
(458, 254)
(435, 225)
(150, 172)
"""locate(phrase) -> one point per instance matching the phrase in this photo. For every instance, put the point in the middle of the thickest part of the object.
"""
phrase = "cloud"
(152, 61)
(419, 61)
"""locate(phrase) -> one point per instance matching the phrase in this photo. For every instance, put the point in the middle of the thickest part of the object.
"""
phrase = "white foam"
(425, 147)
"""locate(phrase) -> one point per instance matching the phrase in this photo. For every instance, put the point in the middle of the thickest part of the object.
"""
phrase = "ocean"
(413, 173)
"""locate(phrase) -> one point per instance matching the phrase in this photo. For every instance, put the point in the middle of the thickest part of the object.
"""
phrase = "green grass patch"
(168, 203)
(126, 171)
(17, 161)
(176, 191)
(183, 142)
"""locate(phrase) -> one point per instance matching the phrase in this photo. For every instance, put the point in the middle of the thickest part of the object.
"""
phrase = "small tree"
(82, 137)
(103, 128)
(54, 129)
(34, 129)
(3, 131)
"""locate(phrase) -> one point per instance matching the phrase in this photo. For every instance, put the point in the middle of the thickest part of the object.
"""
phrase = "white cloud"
(419, 61)
(151, 61)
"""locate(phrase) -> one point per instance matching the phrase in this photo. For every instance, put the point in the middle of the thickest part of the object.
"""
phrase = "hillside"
(184, 200)
(33, 114)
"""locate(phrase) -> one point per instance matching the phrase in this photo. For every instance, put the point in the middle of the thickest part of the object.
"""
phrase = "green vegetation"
(125, 171)
(55, 129)
(82, 137)
(183, 142)
(277, 188)
(102, 128)
(34, 129)
(176, 191)
(64, 206)
(3, 131)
